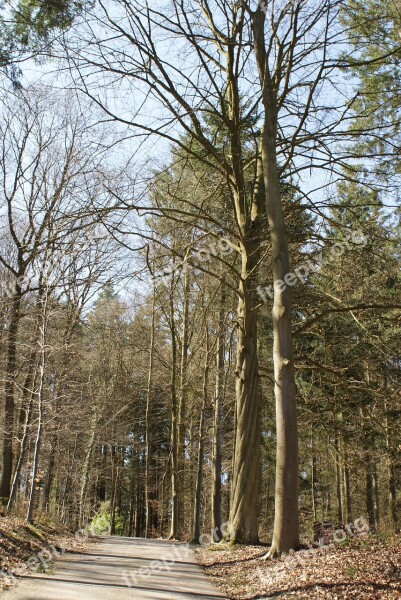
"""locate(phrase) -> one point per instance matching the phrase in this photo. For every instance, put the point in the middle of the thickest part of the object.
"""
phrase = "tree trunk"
(392, 490)
(368, 464)
(9, 407)
(377, 495)
(248, 211)
(347, 486)
(174, 424)
(50, 473)
(286, 517)
(199, 470)
(314, 481)
(114, 480)
(218, 416)
(340, 509)
(29, 386)
(369, 485)
(38, 441)
(147, 417)
(183, 399)
(245, 484)
(132, 495)
(86, 470)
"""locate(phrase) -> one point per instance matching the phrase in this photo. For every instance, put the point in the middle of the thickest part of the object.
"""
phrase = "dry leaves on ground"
(20, 541)
(366, 568)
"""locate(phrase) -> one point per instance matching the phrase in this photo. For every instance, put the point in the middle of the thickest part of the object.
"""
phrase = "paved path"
(120, 568)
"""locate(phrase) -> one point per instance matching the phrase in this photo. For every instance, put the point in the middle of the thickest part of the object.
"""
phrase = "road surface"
(120, 568)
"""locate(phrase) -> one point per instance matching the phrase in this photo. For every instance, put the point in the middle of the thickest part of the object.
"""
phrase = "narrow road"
(120, 568)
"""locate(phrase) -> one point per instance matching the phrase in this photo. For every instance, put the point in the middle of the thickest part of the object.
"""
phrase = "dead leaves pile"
(20, 541)
(366, 568)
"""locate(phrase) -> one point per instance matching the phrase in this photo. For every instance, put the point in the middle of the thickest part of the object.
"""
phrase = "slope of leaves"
(20, 541)
(367, 568)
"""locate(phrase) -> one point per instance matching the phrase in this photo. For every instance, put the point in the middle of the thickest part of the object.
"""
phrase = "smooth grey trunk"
(347, 485)
(286, 515)
(248, 210)
(369, 487)
(218, 415)
(182, 404)
(132, 495)
(196, 533)
(86, 469)
(174, 418)
(49, 474)
(40, 394)
(147, 415)
(313, 478)
(114, 483)
(368, 463)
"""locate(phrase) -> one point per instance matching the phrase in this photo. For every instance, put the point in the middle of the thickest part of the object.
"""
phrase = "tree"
(297, 64)
(28, 28)
(46, 148)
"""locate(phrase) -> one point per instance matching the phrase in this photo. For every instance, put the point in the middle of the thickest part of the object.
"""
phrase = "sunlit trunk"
(286, 518)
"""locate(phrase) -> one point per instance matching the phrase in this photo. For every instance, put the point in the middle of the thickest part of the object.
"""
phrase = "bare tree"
(51, 180)
(262, 73)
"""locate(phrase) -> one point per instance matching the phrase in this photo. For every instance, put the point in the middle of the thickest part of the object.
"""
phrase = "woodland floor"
(121, 567)
(365, 568)
(20, 541)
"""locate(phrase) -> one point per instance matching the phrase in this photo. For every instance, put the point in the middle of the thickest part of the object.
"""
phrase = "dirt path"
(120, 569)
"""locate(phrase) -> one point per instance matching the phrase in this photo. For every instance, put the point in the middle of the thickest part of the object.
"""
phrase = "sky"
(129, 100)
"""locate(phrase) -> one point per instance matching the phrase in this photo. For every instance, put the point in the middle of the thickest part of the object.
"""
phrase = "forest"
(200, 283)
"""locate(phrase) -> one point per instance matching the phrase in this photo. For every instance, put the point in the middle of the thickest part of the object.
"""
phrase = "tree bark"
(286, 517)
(248, 211)
(29, 386)
(377, 495)
(392, 490)
(183, 399)
(245, 484)
(174, 424)
(9, 406)
(218, 415)
(347, 486)
(340, 507)
(199, 469)
(314, 481)
(42, 366)
(147, 417)
(86, 470)
(369, 486)
(50, 473)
